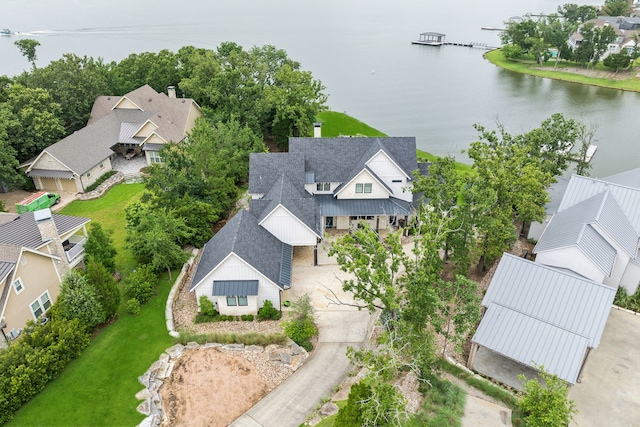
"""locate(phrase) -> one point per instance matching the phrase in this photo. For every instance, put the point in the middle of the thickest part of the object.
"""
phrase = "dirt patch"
(210, 388)
(600, 74)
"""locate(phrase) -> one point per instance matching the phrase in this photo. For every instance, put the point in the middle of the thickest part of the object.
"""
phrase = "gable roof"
(581, 188)
(574, 226)
(244, 237)
(545, 306)
(24, 232)
(266, 168)
(337, 159)
(630, 178)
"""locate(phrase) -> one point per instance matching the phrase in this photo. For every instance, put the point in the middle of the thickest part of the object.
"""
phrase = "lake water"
(361, 52)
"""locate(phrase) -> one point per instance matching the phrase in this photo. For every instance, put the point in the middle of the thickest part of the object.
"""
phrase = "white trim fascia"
(373, 175)
(135, 134)
(391, 160)
(115, 107)
(289, 212)
(151, 134)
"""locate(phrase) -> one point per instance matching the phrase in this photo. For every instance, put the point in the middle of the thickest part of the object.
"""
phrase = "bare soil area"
(600, 74)
(210, 388)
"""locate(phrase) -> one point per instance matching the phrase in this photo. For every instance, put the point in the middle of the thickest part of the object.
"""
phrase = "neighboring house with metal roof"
(595, 233)
(36, 251)
(320, 184)
(537, 315)
(137, 123)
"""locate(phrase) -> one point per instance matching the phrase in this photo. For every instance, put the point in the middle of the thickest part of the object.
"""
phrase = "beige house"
(135, 124)
(36, 251)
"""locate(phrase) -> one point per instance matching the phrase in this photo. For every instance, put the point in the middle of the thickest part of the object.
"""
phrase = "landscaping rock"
(143, 394)
(191, 345)
(234, 347)
(274, 356)
(145, 407)
(295, 349)
(285, 358)
(212, 345)
(145, 379)
(163, 370)
(150, 421)
(329, 409)
(175, 351)
(315, 419)
(254, 348)
(164, 357)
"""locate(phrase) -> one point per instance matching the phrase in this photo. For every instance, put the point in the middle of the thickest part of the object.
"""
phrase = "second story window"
(323, 186)
(364, 188)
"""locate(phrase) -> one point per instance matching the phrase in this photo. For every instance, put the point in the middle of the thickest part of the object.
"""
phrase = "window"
(396, 180)
(240, 300)
(323, 186)
(42, 304)
(18, 286)
(364, 188)
(101, 165)
(154, 157)
(88, 174)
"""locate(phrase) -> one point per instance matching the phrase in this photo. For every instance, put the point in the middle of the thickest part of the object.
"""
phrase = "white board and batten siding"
(631, 278)
(388, 172)
(288, 229)
(235, 268)
(364, 177)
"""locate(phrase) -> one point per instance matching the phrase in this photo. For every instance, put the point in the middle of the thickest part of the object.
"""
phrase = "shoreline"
(587, 77)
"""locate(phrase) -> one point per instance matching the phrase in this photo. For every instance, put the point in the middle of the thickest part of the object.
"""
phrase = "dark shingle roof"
(243, 236)
(266, 168)
(336, 159)
(23, 231)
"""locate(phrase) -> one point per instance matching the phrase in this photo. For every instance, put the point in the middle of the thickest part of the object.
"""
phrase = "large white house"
(320, 184)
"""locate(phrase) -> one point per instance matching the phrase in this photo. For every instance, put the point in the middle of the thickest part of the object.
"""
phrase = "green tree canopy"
(79, 300)
(102, 280)
(27, 48)
(100, 246)
(546, 404)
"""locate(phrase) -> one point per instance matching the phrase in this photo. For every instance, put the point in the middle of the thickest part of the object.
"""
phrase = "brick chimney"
(49, 233)
(317, 130)
(171, 91)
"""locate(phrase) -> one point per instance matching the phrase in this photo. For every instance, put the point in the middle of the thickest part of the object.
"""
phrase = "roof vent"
(150, 99)
(42, 215)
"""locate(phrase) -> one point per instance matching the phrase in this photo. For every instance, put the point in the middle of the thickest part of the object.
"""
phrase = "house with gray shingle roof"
(320, 184)
(36, 251)
(137, 123)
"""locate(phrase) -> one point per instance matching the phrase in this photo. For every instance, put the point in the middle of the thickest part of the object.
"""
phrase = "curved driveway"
(339, 326)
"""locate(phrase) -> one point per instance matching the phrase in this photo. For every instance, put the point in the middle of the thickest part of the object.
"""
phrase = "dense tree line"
(261, 89)
(535, 38)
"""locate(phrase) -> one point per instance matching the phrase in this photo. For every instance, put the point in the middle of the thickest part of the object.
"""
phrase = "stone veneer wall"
(102, 188)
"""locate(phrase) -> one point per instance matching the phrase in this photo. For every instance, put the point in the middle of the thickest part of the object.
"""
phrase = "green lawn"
(335, 124)
(99, 387)
(109, 211)
(527, 67)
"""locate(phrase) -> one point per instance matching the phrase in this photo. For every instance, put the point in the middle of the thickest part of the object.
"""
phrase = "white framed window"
(101, 165)
(364, 188)
(236, 300)
(323, 186)
(41, 305)
(154, 157)
(18, 286)
(88, 174)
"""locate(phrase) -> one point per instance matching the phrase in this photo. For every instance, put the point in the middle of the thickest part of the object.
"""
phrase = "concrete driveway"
(609, 394)
(339, 326)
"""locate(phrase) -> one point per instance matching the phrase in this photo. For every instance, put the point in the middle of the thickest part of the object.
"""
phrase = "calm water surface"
(361, 52)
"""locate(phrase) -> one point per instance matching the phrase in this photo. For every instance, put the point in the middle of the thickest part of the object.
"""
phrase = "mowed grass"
(335, 124)
(99, 387)
(109, 211)
(528, 67)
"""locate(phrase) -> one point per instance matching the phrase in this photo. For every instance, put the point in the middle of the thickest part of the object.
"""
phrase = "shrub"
(247, 317)
(140, 284)
(300, 328)
(99, 245)
(351, 414)
(79, 300)
(268, 312)
(206, 306)
(38, 356)
(133, 306)
(100, 180)
(105, 285)
(547, 404)
(251, 338)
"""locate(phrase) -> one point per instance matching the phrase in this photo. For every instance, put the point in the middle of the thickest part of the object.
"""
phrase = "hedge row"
(34, 359)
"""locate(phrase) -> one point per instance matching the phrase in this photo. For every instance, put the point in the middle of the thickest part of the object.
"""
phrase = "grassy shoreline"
(496, 57)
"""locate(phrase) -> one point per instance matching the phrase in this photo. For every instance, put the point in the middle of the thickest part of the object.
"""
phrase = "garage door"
(49, 184)
(68, 185)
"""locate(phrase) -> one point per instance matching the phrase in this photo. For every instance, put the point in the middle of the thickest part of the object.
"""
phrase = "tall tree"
(577, 14)
(546, 404)
(107, 291)
(79, 300)
(27, 48)
(616, 8)
(9, 175)
(100, 246)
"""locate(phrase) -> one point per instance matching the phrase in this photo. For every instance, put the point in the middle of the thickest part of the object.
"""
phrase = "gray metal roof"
(331, 206)
(576, 226)
(23, 231)
(286, 262)
(50, 173)
(127, 132)
(556, 192)
(581, 188)
(630, 178)
(244, 237)
(546, 296)
(229, 288)
(508, 332)
(6, 268)
(148, 146)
